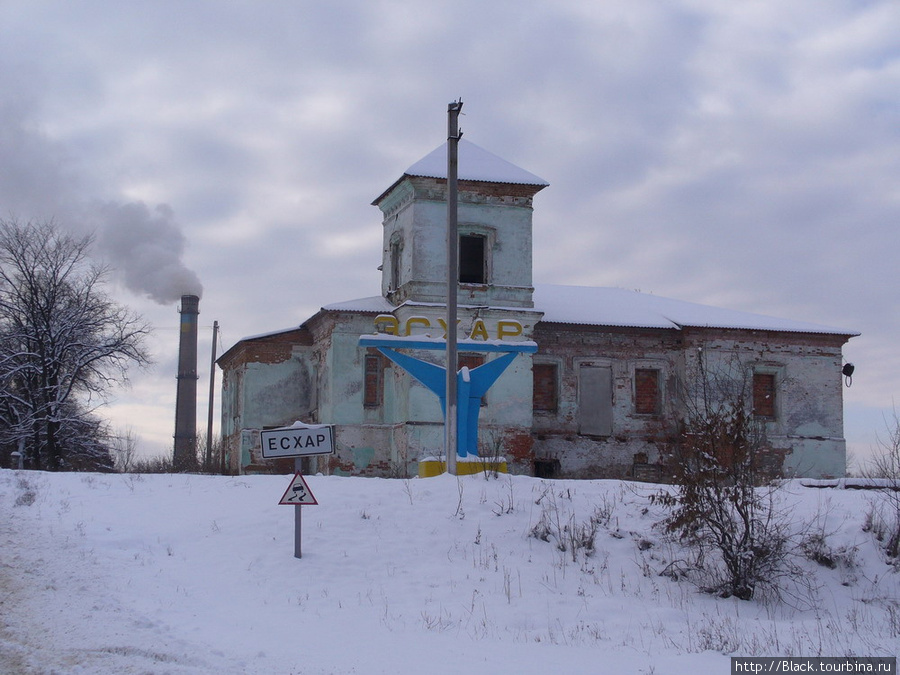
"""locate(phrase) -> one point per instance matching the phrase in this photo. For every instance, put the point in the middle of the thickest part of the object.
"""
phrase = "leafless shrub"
(128, 460)
(724, 506)
(506, 503)
(815, 548)
(124, 450)
(209, 453)
(560, 525)
(883, 519)
(814, 545)
(157, 464)
(491, 454)
(881, 524)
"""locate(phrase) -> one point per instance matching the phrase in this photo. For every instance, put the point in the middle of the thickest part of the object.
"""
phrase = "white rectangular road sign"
(297, 441)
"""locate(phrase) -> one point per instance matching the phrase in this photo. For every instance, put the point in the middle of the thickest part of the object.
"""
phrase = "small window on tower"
(472, 267)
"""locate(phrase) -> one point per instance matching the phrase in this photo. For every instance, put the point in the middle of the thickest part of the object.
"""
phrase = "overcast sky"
(741, 154)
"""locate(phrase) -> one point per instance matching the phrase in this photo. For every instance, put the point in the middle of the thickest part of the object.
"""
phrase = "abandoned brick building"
(600, 397)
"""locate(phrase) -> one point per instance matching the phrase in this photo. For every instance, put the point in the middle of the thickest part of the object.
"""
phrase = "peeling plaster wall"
(323, 381)
(277, 394)
(807, 430)
(415, 213)
(557, 434)
(408, 425)
(265, 383)
(809, 423)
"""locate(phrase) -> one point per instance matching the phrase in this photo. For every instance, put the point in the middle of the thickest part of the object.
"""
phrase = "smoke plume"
(143, 246)
(146, 247)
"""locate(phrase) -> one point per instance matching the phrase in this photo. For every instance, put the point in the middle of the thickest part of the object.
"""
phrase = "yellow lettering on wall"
(508, 329)
(391, 325)
(416, 321)
(479, 332)
(444, 326)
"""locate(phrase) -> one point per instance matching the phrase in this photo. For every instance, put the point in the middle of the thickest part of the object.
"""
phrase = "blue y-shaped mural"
(471, 384)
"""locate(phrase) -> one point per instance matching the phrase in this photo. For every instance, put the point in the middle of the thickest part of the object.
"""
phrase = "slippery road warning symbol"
(298, 493)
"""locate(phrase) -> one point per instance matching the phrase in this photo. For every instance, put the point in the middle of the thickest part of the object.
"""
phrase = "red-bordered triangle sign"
(298, 493)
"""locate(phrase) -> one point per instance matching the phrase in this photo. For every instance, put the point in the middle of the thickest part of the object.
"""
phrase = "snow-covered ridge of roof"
(375, 303)
(268, 334)
(475, 163)
(622, 308)
(593, 306)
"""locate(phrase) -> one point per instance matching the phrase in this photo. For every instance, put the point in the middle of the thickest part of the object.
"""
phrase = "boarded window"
(472, 267)
(545, 398)
(471, 361)
(646, 391)
(373, 384)
(764, 395)
(595, 409)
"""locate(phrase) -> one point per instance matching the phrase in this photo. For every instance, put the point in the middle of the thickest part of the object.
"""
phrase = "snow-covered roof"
(475, 163)
(258, 336)
(268, 334)
(373, 304)
(593, 306)
(619, 307)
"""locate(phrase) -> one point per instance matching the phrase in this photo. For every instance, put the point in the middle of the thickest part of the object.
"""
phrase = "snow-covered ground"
(187, 574)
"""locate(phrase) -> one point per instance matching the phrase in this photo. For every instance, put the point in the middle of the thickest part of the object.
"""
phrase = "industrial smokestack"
(186, 396)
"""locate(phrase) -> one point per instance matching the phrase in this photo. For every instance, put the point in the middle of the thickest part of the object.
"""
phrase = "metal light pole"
(453, 136)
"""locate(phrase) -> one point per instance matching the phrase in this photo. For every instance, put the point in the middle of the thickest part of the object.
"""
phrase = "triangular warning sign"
(298, 493)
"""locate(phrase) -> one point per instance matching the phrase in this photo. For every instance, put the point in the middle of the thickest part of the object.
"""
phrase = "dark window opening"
(373, 383)
(764, 395)
(471, 260)
(545, 397)
(546, 468)
(646, 391)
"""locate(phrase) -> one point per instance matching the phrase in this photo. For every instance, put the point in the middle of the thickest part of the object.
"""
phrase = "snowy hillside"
(182, 574)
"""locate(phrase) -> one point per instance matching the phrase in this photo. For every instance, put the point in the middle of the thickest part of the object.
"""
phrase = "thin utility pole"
(212, 393)
(453, 136)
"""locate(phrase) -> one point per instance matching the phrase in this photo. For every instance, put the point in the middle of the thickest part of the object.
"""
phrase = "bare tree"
(63, 345)
(212, 463)
(124, 450)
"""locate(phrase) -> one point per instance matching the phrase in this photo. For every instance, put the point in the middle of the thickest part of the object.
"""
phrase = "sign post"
(298, 441)
(298, 517)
